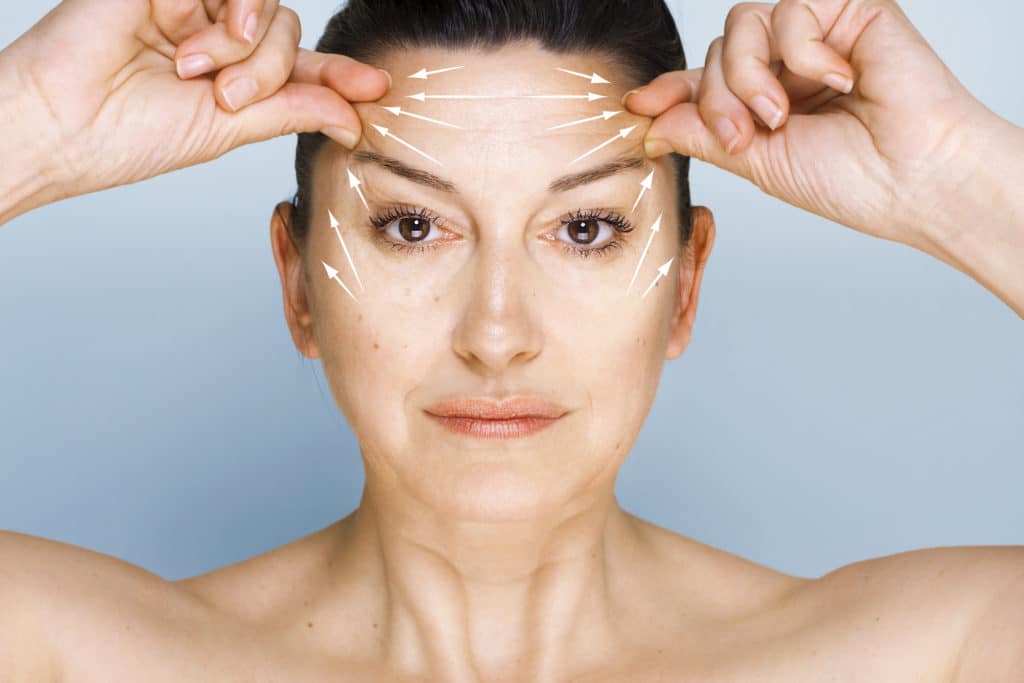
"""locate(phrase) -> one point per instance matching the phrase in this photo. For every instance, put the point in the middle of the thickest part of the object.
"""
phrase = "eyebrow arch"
(563, 184)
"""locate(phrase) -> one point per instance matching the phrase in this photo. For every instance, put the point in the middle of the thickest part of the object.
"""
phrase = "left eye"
(586, 232)
(412, 230)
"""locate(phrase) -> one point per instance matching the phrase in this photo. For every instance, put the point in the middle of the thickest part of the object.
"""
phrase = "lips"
(486, 418)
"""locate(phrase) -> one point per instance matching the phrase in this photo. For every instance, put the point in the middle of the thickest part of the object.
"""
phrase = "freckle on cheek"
(360, 317)
(437, 299)
(376, 346)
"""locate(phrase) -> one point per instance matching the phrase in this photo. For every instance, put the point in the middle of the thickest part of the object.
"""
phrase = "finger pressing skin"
(800, 38)
(298, 108)
(353, 80)
(262, 74)
(664, 92)
(179, 19)
(747, 55)
(720, 108)
(215, 47)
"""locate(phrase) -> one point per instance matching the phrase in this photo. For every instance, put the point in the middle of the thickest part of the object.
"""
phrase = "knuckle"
(738, 13)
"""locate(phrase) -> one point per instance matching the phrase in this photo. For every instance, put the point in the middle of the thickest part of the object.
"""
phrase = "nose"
(500, 327)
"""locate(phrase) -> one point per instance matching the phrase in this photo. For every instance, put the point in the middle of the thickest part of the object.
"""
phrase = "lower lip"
(495, 429)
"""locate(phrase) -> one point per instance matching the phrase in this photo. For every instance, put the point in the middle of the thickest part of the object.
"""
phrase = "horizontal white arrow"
(388, 134)
(645, 185)
(337, 230)
(423, 74)
(623, 134)
(662, 272)
(398, 111)
(332, 273)
(423, 97)
(606, 116)
(593, 78)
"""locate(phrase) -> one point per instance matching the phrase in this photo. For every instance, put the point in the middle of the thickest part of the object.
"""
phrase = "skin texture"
(492, 552)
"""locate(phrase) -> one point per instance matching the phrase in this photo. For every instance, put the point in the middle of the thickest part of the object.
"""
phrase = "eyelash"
(620, 224)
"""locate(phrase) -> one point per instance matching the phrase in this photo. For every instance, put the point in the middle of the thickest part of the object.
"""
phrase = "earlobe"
(293, 287)
(694, 258)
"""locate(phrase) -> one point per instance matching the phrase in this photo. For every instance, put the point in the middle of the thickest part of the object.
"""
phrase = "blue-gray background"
(843, 397)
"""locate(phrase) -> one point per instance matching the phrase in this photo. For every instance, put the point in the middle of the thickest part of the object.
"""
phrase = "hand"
(865, 124)
(105, 100)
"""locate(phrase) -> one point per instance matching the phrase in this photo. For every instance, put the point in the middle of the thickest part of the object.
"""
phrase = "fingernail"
(655, 148)
(769, 112)
(626, 96)
(342, 136)
(249, 31)
(726, 132)
(391, 81)
(239, 92)
(193, 65)
(843, 84)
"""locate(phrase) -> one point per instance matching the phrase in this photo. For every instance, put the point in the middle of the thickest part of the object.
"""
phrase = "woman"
(478, 339)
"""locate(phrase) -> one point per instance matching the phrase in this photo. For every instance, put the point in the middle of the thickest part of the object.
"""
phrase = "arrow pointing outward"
(593, 78)
(397, 111)
(334, 224)
(332, 273)
(624, 133)
(645, 185)
(354, 183)
(662, 272)
(423, 97)
(423, 74)
(388, 134)
(606, 116)
(654, 231)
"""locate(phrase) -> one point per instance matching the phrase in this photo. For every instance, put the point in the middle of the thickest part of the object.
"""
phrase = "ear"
(293, 285)
(695, 257)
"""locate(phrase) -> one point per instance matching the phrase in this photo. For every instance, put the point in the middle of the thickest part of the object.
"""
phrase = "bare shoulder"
(57, 597)
(925, 606)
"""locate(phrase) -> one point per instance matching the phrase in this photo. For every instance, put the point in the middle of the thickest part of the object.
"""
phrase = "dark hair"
(639, 36)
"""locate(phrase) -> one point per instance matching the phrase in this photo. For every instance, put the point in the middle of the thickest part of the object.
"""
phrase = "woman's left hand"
(866, 126)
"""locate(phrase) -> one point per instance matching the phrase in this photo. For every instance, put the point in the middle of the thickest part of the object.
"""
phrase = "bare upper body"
(942, 615)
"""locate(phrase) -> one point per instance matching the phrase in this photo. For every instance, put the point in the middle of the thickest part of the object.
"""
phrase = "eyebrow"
(563, 184)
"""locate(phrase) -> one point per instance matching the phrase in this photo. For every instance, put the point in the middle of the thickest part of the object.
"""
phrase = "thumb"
(298, 108)
(681, 130)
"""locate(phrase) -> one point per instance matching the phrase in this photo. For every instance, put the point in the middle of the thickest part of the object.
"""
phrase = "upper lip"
(485, 408)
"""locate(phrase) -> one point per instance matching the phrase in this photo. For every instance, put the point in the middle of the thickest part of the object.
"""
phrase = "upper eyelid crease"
(563, 184)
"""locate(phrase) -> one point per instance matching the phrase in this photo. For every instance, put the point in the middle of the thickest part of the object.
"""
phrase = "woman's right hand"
(104, 86)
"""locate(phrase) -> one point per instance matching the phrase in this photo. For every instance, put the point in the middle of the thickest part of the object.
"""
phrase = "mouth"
(485, 418)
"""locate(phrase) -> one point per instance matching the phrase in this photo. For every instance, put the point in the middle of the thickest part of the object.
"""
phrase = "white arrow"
(388, 134)
(623, 134)
(662, 272)
(606, 115)
(593, 78)
(354, 183)
(332, 273)
(334, 224)
(645, 185)
(423, 97)
(397, 111)
(654, 231)
(423, 74)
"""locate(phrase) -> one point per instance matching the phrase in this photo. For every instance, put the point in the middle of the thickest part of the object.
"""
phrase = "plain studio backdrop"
(843, 398)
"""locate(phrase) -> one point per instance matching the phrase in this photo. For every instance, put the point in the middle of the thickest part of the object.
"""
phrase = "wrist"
(28, 163)
(975, 221)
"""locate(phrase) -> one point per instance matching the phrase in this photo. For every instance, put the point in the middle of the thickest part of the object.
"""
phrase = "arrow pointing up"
(332, 273)
(623, 134)
(662, 273)
(354, 183)
(645, 185)
(654, 231)
(337, 230)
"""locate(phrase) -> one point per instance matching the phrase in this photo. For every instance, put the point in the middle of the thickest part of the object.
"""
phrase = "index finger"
(664, 92)
(353, 80)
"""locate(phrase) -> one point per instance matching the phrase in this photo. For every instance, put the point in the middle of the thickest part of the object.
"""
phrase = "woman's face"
(495, 270)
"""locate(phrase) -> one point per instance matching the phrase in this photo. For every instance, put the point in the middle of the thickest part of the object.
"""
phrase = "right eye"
(405, 227)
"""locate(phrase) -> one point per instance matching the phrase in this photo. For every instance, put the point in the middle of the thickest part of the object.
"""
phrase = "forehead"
(505, 109)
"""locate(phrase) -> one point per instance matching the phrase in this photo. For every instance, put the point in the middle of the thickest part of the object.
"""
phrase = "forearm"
(976, 223)
(26, 170)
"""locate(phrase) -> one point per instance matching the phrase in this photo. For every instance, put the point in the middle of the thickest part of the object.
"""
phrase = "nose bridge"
(500, 325)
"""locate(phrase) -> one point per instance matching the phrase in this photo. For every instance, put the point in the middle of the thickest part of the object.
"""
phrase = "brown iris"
(413, 228)
(584, 232)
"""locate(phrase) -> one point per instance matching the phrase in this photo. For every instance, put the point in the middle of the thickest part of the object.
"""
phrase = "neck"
(463, 600)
